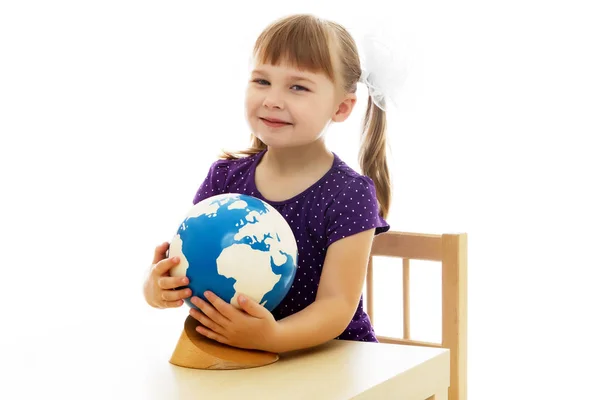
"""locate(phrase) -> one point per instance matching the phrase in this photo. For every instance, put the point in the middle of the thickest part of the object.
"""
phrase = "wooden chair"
(451, 251)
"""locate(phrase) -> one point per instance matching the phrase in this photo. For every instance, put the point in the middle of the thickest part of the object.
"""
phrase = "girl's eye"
(301, 87)
(263, 82)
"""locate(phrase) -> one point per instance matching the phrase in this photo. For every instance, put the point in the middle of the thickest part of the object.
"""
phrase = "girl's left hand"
(252, 327)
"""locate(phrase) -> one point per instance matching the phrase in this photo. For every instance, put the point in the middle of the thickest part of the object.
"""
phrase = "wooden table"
(116, 361)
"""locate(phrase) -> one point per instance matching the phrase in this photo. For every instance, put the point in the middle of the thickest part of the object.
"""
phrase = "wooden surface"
(118, 360)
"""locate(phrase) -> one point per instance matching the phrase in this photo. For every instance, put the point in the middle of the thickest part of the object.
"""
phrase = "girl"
(305, 74)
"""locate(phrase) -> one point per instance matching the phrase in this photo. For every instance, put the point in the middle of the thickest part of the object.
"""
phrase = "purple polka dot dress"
(341, 203)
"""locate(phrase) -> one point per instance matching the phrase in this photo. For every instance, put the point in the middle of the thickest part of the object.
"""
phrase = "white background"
(111, 112)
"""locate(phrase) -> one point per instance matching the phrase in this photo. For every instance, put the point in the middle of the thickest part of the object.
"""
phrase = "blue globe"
(234, 244)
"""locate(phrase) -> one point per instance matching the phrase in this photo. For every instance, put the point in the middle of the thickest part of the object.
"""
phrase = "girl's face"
(287, 107)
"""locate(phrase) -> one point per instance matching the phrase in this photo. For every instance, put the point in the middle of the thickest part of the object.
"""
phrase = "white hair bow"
(384, 68)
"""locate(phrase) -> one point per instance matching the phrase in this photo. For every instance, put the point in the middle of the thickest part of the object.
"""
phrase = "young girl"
(305, 74)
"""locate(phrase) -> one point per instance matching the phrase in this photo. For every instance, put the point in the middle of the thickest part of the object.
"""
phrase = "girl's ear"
(344, 109)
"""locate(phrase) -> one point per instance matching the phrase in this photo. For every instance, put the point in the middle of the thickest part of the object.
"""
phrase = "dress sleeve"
(214, 182)
(354, 210)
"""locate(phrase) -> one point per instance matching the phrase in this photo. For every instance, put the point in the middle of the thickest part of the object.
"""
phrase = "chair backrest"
(451, 251)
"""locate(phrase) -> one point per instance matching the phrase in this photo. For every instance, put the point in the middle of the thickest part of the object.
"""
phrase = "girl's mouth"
(274, 124)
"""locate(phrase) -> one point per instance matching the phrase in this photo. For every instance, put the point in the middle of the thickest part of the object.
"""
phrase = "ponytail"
(372, 156)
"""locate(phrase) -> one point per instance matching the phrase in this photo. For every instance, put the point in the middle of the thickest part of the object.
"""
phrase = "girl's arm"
(339, 291)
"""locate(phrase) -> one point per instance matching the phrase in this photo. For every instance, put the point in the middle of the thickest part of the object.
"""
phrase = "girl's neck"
(293, 160)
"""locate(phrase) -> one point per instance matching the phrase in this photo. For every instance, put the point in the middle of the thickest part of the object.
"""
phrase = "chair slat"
(406, 296)
(409, 342)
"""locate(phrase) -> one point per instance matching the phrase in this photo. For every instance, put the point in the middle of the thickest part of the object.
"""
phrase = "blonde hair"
(305, 42)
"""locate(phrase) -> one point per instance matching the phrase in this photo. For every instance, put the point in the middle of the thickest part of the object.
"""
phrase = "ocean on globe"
(234, 244)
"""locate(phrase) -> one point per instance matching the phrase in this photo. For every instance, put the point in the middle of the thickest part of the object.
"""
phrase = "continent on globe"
(232, 244)
(255, 279)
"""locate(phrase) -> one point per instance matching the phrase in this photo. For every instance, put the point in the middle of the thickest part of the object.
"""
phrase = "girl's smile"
(273, 123)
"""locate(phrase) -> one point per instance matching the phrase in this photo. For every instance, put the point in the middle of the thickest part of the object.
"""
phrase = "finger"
(212, 335)
(172, 282)
(172, 304)
(224, 308)
(210, 311)
(207, 322)
(163, 266)
(160, 252)
(174, 295)
(251, 307)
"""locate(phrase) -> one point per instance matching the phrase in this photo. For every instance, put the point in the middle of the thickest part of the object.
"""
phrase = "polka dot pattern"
(340, 204)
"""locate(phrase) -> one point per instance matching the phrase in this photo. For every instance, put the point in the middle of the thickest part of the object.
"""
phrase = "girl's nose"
(272, 100)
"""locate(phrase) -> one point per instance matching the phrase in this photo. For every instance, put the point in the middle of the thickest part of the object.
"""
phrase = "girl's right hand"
(159, 285)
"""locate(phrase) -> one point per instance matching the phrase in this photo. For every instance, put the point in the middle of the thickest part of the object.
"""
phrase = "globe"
(234, 244)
